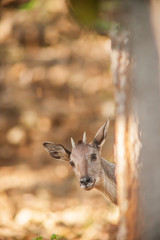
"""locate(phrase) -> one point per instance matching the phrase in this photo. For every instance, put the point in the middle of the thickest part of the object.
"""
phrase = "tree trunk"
(127, 143)
(147, 104)
(137, 97)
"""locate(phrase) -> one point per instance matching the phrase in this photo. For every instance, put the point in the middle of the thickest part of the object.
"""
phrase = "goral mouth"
(88, 187)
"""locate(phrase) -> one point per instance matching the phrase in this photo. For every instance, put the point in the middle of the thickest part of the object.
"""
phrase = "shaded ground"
(54, 83)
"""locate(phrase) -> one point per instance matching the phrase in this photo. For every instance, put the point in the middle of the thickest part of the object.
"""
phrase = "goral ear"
(57, 151)
(101, 135)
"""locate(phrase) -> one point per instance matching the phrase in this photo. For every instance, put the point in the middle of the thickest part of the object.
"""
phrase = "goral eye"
(93, 156)
(72, 163)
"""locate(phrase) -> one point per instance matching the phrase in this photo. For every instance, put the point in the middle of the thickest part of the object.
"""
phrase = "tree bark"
(127, 143)
(137, 97)
(147, 104)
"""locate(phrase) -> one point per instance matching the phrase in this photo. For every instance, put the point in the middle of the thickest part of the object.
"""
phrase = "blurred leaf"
(29, 5)
(105, 26)
(38, 238)
(100, 15)
(85, 11)
(55, 237)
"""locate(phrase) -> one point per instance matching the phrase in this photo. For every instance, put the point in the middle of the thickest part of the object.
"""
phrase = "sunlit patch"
(16, 135)
(120, 143)
(5, 28)
(28, 118)
(24, 216)
(70, 216)
(58, 75)
(113, 215)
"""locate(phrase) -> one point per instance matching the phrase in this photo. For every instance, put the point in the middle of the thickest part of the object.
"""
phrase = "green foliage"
(100, 15)
(29, 5)
(38, 238)
(85, 12)
(53, 237)
(105, 26)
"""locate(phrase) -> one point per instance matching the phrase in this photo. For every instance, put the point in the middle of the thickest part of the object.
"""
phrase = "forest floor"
(55, 82)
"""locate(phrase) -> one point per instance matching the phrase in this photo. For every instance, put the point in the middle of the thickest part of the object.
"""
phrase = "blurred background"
(55, 82)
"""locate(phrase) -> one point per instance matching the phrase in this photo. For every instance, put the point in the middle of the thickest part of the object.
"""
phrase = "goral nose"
(85, 180)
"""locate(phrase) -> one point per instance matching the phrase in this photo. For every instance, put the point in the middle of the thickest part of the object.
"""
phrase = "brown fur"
(91, 170)
(101, 171)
